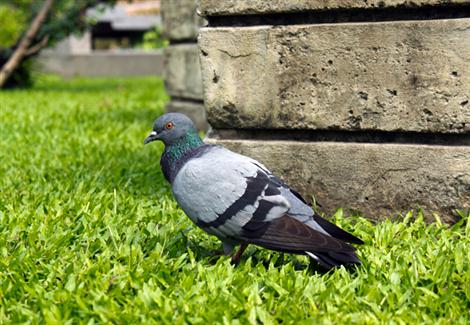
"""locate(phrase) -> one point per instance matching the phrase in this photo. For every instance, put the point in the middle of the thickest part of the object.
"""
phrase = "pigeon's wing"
(290, 235)
(300, 211)
(222, 192)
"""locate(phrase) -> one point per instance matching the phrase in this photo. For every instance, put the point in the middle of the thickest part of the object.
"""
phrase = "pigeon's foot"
(238, 254)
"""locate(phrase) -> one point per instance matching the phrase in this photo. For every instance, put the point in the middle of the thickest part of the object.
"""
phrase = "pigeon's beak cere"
(152, 137)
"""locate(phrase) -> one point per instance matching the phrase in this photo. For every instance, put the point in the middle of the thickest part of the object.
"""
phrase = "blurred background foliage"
(13, 21)
(66, 17)
(154, 39)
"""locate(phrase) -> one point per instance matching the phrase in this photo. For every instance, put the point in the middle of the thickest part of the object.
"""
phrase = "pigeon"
(238, 200)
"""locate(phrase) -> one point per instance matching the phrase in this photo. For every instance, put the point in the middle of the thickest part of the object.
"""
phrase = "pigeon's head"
(170, 127)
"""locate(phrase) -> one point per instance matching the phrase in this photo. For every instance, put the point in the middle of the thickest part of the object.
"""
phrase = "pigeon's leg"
(238, 254)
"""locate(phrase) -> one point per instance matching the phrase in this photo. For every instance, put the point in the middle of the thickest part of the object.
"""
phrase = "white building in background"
(112, 47)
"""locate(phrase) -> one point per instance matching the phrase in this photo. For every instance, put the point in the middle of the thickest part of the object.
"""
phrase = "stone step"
(379, 180)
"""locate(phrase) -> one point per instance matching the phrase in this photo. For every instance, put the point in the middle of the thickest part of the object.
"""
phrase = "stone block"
(389, 76)
(376, 179)
(194, 110)
(182, 71)
(180, 20)
(237, 7)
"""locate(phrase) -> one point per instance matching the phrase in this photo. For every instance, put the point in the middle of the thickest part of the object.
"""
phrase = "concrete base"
(376, 179)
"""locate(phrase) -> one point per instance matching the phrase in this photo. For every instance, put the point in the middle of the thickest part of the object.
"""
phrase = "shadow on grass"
(256, 256)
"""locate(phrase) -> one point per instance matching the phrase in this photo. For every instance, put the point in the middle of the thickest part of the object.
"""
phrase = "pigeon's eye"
(169, 125)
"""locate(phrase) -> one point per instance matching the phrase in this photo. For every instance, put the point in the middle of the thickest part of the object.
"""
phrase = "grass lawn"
(90, 233)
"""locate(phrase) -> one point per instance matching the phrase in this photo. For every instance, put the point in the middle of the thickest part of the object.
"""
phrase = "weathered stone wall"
(366, 109)
(182, 70)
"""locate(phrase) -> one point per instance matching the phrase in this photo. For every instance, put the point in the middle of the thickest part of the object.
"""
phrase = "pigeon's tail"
(330, 260)
(287, 234)
(336, 231)
(335, 258)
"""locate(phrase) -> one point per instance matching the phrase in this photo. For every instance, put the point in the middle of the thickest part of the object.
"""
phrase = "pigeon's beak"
(152, 137)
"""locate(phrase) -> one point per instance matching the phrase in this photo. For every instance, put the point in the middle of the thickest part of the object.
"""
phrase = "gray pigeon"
(241, 202)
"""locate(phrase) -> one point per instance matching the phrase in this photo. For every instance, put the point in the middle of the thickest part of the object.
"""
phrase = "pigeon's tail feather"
(336, 231)
(330, 260)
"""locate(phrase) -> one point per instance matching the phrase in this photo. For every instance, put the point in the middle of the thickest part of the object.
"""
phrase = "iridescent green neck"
(177, 149)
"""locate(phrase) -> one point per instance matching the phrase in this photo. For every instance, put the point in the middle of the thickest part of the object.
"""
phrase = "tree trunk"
(25, 42)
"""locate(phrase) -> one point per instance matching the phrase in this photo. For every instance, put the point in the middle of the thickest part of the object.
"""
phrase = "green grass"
(89, 233)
